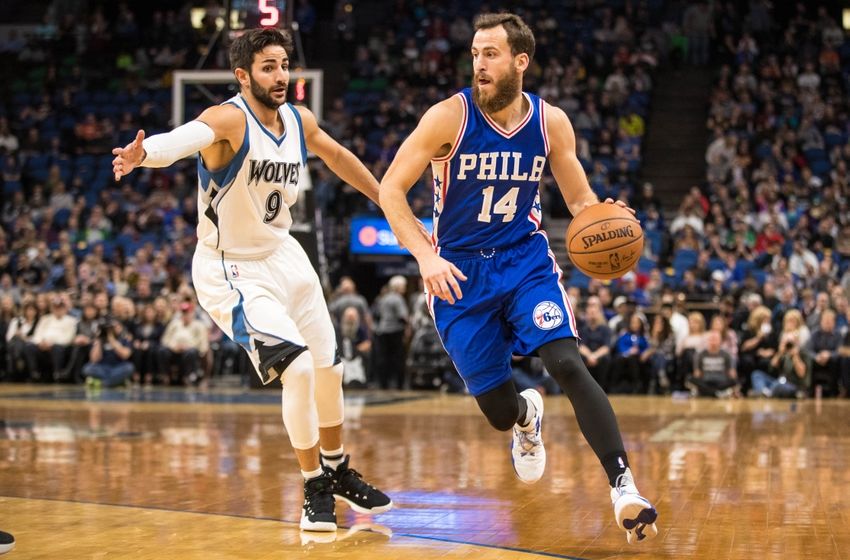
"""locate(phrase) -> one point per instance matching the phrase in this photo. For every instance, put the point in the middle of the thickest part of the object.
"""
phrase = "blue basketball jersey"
(486, 190)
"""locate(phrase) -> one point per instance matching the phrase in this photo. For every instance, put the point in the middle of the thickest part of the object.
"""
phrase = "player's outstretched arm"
(566, 168)
(216, 124)
(337, 157)
(433, 137)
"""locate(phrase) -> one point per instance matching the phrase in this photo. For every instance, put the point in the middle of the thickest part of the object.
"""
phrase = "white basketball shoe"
(527, 452)
(634, 514)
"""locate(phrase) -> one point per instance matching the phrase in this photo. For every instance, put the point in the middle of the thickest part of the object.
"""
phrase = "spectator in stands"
(662, 344)
(759, 344)
(595, 342)
(698, 27)
(184, 343)
(147, 350)
(714, 373)
(354, 348)
(8, 141)
(84, 334)
(728, 337)
(823, 347)
(692, 344)
(50, 347)
(631, 371)
(18, 336)
(347, 296)
(392, 314)
(109, 361)
(789, 374)
(8, 311)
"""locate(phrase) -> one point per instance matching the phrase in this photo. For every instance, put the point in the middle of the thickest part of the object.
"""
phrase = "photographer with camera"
(110, 361)
(790, 369)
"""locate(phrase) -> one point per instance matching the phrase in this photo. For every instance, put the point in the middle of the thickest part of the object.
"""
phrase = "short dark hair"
(251, 42)
(520, 36)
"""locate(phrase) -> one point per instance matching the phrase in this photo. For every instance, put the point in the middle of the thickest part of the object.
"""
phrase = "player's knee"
(501, 413)
(503, 419)
(562, 359)
(299, 372)
(276, 359)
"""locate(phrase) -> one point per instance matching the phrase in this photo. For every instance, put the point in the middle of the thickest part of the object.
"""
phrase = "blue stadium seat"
(655, 240)
(684, 259)
(821, 167)
(646, 265)
(579, 280)
(11, 187)
(759, 275)
(716, 264)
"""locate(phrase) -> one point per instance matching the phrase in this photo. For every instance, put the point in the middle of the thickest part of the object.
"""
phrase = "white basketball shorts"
(276, 299)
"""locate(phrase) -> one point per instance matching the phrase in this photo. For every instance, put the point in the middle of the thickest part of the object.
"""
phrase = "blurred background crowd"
(742, 290)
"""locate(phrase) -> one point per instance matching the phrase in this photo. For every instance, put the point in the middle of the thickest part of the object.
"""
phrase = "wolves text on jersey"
(501, 166)
(274, 171)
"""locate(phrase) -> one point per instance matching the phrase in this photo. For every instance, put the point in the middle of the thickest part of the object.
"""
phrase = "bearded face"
(272, 97)
(501, 92)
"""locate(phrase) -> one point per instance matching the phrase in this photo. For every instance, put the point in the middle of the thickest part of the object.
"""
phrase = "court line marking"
(495, 546)
(237, 516)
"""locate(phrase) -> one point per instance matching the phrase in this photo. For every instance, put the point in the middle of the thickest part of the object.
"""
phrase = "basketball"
(604, 241)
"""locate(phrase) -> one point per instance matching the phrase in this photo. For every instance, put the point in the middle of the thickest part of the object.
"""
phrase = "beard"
(507, 90)
(264, 96)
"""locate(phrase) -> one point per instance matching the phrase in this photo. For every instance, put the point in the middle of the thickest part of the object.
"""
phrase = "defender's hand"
(440, 278)
(129, 157)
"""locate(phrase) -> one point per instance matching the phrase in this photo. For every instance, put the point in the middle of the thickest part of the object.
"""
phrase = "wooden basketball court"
(176, 474)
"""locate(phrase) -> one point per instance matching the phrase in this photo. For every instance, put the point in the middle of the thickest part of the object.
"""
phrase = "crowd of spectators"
(750, 295)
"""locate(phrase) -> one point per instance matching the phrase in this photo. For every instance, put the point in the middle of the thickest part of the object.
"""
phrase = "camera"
(104, 328)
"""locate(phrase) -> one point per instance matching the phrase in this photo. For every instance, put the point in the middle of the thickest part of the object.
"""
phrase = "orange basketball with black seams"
(604, 241)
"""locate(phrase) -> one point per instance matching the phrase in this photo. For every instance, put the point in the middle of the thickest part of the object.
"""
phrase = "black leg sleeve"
(502, 406)
(593, 411)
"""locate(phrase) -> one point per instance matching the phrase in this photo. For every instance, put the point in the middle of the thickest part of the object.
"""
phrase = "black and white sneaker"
(7, 542)
(318, 513)
(350, 487)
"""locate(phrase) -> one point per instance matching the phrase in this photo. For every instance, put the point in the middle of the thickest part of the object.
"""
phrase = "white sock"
(312, 474)
(333, 457)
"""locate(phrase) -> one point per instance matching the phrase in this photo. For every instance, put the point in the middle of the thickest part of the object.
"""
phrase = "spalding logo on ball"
(604, 241)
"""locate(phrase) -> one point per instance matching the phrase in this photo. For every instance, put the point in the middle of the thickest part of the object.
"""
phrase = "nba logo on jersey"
(234, 271)
(547, 315)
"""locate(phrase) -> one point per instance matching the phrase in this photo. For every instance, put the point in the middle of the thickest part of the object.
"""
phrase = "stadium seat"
(685, 259)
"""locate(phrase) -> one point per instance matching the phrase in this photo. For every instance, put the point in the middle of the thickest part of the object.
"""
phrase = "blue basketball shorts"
(513, 303)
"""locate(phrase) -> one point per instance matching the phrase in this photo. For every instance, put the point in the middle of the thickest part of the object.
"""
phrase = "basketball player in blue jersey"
(250, 275)
(493, 284)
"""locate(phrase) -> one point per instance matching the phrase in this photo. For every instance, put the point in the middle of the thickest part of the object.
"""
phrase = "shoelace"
(529, 440)
(357, 477)
(622, 481)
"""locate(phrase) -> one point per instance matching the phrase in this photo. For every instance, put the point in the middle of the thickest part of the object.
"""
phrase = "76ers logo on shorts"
(234, 271)
(547, 315)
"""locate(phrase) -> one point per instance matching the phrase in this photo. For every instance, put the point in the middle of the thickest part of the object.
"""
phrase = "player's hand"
(129, 157)
(619, 203)
(440, 278)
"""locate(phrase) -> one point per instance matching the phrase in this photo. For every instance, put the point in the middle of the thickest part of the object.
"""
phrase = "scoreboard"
(261, 13)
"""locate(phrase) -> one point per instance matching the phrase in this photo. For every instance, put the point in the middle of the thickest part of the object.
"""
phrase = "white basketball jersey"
(243, 208)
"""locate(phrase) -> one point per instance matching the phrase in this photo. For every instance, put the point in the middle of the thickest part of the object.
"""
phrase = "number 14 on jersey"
(505, 206)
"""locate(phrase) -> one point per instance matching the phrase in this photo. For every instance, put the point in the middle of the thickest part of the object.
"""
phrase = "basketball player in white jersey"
(251, 275)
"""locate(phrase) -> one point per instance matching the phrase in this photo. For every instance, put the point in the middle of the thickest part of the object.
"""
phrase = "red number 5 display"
(272, 14)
